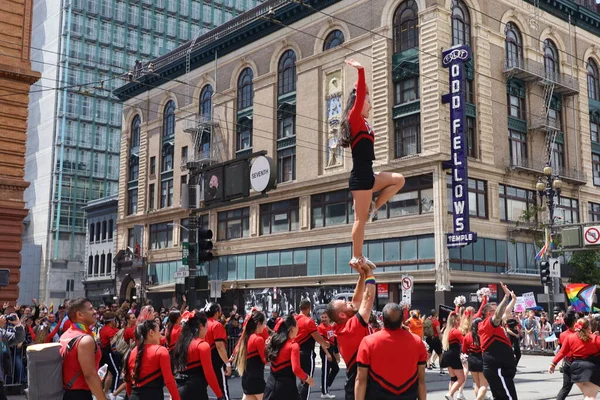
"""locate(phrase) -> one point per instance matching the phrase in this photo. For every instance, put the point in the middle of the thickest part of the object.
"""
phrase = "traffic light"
(545, 272)
(205, 245)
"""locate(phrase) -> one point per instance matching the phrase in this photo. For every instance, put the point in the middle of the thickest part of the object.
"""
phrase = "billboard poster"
(454, 59)
(286, 300)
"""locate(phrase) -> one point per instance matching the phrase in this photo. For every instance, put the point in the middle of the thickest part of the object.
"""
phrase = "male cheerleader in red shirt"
(352, 321)
(81, 355)
(499, 365)
(329, 362)
(391, 362)
(306, 338)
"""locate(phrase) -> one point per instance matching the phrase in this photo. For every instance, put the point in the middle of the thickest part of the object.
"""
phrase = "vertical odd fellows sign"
(454, 59)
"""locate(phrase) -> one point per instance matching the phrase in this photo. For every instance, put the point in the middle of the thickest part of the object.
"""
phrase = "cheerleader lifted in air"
(356, 133)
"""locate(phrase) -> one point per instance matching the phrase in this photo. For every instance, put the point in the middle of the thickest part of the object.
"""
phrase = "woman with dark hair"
(356, 133)
(173, 329)
(284, 355)
(192, 359)
(148, 366)
(583, 347)
(472, 347)
(250, 359)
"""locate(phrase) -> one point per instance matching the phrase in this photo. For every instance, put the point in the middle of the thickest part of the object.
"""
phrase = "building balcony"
(545, 125)
(536, 167)
(532, 71)
(199, 123)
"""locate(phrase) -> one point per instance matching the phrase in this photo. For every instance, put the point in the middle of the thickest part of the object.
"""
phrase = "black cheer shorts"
(475, 362)
(362, 176)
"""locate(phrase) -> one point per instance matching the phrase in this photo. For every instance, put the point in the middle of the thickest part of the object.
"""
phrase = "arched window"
(514, 45)
(135, 132)
(592, 80)
(102, 264)
(169, 119)
(461, 24)
(206, 102)
(90, 265)
(110, 229)
(245, 89)
(551, 64)
(98, 231)
(104, 226)
(109, 263)
(96, 264)
(91, 232)
(286, 73)
(406, 27)
(334, 39)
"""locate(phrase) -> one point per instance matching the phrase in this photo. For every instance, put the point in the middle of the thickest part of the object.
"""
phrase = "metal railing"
(538, 71)
(537, 166)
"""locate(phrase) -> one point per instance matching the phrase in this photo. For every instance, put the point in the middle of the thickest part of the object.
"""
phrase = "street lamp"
(549, 186)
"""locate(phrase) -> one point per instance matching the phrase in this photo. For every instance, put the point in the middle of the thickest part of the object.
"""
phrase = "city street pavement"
(533, 382)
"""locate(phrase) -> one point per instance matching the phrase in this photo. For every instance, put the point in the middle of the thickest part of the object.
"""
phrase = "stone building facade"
(277, 82)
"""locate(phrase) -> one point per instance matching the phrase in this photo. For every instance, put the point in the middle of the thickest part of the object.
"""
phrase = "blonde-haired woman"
(465, 327)
(451, 344)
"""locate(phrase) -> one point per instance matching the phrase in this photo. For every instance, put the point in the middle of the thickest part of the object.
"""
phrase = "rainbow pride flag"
(581, 296)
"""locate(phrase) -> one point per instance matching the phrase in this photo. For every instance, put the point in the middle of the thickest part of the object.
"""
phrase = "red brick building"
(16, 77)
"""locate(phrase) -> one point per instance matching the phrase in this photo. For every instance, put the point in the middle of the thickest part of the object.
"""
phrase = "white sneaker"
(373, 212)
(448, 397)
(370, 263)
(328, 396)
(488, 396)
(461, 396)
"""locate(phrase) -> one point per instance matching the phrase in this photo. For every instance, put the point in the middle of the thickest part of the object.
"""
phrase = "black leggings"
(307, 361)
(193, 387)
(69, 394)
(329, 370)
(516, 345)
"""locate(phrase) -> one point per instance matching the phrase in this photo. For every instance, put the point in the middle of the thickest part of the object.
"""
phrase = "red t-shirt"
(199, 356)
(215, 332)
(468, 347)
(106, 334)
(70, 361)
(455, 337)
(175, 332)
(495, 345)
(435, 324)
(287, 362)
(328, 333)
(154, 363)
(306, 327)
(256, 348)
(381, 352)
(574, 347)
(362, 134)
(129, 334)
(349, 336)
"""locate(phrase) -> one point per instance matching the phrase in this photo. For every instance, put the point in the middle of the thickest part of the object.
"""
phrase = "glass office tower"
(82, 47)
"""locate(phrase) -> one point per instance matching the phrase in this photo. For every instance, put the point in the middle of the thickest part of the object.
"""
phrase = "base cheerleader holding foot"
(357, 134)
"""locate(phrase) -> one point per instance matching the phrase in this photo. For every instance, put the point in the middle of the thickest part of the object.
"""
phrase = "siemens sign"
(454, 59)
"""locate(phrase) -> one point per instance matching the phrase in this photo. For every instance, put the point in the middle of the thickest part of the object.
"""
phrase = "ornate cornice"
(19, 74)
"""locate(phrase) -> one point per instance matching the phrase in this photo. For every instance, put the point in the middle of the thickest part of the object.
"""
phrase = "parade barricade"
(14, 365)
